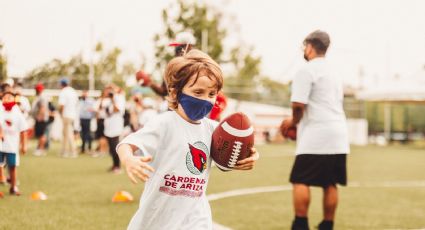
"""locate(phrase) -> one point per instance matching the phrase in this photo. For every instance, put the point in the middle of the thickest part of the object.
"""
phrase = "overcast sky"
(384, 37)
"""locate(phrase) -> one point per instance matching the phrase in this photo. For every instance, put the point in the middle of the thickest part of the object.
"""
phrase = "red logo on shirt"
(196, 158)
(8, 122)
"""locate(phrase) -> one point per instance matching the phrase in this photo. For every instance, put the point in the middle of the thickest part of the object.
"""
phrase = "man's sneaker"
(326, 225)
(39, 153)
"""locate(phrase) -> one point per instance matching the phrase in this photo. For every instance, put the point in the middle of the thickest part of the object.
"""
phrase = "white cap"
(184, 38)
(10, 81)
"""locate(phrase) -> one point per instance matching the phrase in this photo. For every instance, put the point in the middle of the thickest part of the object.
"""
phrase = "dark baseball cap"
(320, 36)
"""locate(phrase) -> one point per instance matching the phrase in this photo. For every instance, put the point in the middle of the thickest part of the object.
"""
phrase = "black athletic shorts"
(100, 131)
(40, 128)
(319, 170)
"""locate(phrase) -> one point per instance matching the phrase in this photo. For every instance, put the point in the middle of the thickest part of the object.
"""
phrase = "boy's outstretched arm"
(248, 163)
(135, 166)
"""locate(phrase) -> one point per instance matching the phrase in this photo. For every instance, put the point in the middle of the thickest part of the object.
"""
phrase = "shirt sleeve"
(146, 139)
(301, 86)
(61, 100)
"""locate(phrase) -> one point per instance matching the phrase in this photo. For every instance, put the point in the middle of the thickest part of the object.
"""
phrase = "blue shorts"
(11, 159)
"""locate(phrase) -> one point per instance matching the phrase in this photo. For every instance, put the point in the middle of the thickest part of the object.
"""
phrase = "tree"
(244, 81)
(3, 64)
(106, 70)
(195, 18)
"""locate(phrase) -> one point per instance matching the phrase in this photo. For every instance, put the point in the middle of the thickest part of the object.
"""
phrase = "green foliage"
(3, 64)
(244, 82)
(192, 17)
(404, 117)
(106, 70)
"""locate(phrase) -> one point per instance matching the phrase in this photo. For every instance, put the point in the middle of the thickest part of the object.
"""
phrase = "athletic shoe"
(14, 191)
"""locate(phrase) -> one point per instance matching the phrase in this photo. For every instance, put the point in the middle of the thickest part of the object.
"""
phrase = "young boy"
(176, 149)
(14, 133)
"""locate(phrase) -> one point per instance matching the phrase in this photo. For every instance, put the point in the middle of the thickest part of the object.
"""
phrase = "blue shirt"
(86, 108)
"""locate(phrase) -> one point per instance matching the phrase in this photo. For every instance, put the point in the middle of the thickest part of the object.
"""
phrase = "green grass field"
(387, 192)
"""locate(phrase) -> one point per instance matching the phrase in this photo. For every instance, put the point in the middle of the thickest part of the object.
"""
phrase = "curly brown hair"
(180, 69)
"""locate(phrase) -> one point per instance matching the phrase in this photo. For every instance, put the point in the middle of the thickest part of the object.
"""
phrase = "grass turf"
(80, 191)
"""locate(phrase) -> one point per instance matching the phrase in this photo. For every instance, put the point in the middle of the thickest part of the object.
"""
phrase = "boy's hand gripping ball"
(232, 141)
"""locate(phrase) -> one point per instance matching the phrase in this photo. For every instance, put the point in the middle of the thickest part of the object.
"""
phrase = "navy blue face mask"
(195, 108)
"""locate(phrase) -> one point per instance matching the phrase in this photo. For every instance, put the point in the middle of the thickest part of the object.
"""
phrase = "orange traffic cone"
(122, 196)
(39, 195)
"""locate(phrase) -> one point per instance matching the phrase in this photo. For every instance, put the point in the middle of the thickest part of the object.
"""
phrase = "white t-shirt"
(1, 126)
(146, 115)
(114, 121)
(323, 128)
(13, 123)
(68, 98)
(101, 107)
(174, 196)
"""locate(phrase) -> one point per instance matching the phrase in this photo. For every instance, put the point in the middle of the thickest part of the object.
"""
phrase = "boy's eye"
(213, 94)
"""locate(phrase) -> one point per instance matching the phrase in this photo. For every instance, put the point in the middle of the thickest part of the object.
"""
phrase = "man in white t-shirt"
(322, 136)
(68, 108)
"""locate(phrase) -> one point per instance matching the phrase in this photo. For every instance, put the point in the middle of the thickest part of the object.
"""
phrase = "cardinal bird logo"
(8, 122)
(196, 158)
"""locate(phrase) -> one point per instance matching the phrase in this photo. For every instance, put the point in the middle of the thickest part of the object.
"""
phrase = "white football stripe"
(223, 167)
(237, 132)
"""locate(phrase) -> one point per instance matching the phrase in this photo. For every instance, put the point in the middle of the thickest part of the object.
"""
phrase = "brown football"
(232, 141)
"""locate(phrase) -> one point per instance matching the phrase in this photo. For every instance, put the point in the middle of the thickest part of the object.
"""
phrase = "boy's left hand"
(23, 150)
(248, 163)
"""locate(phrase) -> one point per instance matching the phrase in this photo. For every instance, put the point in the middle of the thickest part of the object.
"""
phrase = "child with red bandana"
(171, 153)
(14, 128)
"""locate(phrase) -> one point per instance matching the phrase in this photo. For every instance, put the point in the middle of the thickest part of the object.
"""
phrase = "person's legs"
(103, 145)
(65, 138)
(83, 134)
(113, 142)
(13, 162)
(301, 202)
(2, 164)
(301, 199)
(40, 128)
(69, 141)
(330, 202)
(2, 176)
(13, 175)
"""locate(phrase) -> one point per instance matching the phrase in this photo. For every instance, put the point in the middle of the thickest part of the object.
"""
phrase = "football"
(232, 141)
(292, 133)
(142, 78)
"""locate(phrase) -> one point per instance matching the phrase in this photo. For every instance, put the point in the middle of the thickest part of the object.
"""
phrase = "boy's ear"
(172, 92)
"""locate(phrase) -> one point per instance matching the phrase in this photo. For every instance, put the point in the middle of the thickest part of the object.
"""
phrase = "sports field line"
(249, 191)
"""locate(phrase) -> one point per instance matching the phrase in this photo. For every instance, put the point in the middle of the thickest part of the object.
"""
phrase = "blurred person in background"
(149, 111)
(21, 100)
(135, 107)
(14, 139)
(68, 108)
(101, 104)
(219, 106)
(87, 113)
(114, 123)
(185, 41)
(40, 114)
(322, 135)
